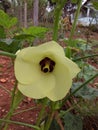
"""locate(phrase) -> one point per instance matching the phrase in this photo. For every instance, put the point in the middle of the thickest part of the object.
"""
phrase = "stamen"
(47, 65)
(46, 68)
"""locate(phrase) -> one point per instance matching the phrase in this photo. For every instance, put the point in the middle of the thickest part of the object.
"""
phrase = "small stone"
(3, 80)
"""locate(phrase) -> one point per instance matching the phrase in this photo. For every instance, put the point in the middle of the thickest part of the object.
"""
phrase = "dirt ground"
(7, 81)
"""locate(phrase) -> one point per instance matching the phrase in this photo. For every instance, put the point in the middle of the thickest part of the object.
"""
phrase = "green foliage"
(88, 108)
(85, 92)
(87, 71)
(17, 99)
(83, 47)
(77, 43)
(35, 31)
(74, 1)
(10, 45)
(95, 4)
(16, 42)
(72, 122)
(6, 21)
(2, 32)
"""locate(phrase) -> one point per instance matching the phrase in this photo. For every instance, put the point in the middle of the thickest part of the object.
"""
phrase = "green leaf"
(78, 43)
(95, 4)
(10, 45)
(74, 42)
(83, 47)
(6, 21)
(35, 31)
(85, 92)
(68, 52)
(23, 37)
(74, 1)
(72, 122)
(3, 18)
(87, 70)
(12, 22)
(2, 32)
(18, 98)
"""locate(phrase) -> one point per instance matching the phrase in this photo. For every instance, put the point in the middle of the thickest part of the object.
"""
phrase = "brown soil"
(7, 81)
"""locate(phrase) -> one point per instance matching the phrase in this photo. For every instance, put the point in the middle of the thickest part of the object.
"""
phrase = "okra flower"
(44, 71)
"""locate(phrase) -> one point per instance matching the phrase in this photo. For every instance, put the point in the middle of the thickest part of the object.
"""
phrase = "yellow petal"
(63, 83)
(25, 72)
(73, 67)
(35, 54)
(27, 60)
(52, 47)
(38, 89)
(30, 91)
(37, 84)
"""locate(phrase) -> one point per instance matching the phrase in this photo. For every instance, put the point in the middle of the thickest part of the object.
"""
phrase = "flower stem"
(57, 15)
(8, 54)
(75, 22)
(20, 123)
(56, 23)
(51, 115)
(84, 57)
(40, 116)
(11, 107)
(16, 99)
(68, 50)
(50, 118)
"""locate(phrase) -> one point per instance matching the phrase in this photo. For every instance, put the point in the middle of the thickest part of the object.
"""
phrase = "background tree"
(25, 13)
(35, 12)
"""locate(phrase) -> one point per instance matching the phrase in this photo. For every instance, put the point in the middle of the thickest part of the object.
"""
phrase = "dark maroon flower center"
(47, 65)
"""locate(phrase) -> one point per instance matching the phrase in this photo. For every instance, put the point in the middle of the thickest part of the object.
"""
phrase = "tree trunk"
(20, 12)
(35, 12)
(25, 13)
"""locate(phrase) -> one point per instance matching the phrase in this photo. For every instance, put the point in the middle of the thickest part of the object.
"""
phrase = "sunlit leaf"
(74, 1)
(2, 32)
(23, 36)
(95, 4)
(35, 31)
(6, 21)
(10, 45)
(12, 22)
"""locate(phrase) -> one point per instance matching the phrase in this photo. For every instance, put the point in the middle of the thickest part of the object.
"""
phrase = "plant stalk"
(84, 57)
(11, 107)
(41, 112)
(20, 123)
(8, 54)
(49, 121)
(57, 15)
(75, 22)
(16, 99)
